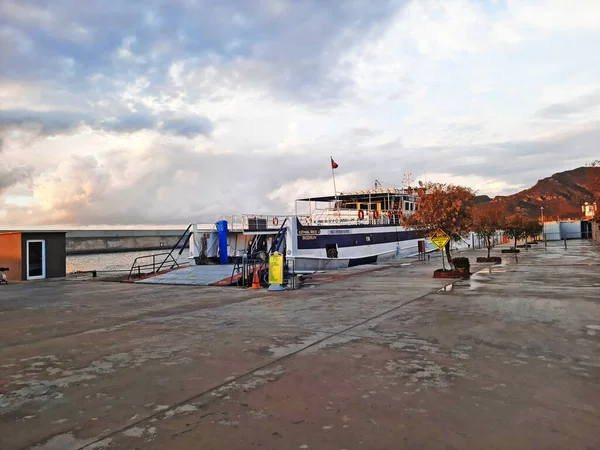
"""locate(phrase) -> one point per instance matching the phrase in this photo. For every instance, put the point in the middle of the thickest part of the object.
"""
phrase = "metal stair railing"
(168, 256)
(278, 238)
(149, 265)
(186, 235)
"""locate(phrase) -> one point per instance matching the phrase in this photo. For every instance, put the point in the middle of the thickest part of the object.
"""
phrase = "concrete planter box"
(511, 250)
(451, 274)
(491, 259)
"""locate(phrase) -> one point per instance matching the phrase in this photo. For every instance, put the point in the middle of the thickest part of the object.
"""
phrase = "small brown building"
(33, 255)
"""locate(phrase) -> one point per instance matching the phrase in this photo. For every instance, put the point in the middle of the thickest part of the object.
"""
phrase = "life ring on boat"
(361, 214)
(275, 221)
(375, 214)
(390, 215)
(308, 220)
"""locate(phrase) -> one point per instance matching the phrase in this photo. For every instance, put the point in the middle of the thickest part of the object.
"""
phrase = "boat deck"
(193, 275)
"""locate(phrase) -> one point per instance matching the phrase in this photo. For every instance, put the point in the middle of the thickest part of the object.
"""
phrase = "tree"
(444, 206)
(533, 228)
(514, 227)
(487, 221)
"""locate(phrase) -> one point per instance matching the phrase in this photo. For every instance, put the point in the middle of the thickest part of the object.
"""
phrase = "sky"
(170, 112)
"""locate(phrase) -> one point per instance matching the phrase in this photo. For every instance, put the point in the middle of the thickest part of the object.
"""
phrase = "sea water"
(118, 261)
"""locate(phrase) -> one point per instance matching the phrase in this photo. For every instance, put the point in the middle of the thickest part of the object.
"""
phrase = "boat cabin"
(380, 206)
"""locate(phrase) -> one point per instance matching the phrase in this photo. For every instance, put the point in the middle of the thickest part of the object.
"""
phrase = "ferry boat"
(329, 232)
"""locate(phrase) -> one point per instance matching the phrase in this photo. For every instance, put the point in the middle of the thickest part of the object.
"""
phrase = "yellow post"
(276, 272)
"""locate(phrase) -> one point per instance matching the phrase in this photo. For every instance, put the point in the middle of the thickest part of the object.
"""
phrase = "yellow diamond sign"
(439, 238)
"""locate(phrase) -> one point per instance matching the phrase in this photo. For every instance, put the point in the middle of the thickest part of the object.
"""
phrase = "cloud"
(173, 111)
(173, 184)
(580, 105)
(129, 123)
(11, 176)
(189, 127)
(48, 123)
(51, 123)
(292, 47)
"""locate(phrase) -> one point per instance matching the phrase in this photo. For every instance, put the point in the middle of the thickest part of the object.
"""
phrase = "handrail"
(153, 264)
(187, 236)
(169, 255)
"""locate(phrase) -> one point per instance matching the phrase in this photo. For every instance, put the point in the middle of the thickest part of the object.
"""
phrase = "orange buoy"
(361, 214)
(375, 214)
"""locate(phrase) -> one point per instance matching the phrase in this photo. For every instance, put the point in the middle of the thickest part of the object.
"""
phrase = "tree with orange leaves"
(444, 206)
(487, 220)
(515, 226)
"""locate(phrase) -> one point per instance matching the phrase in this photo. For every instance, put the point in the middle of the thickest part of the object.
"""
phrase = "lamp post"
(543, 229)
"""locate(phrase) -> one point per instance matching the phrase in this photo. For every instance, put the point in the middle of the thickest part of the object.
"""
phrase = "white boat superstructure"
(325, 233)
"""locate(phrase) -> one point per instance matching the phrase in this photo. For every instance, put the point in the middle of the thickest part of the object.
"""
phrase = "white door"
(36, 259)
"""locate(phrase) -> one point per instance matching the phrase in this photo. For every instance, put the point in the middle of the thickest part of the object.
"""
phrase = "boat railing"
(262, 222)
(342, 217)
(233, 222)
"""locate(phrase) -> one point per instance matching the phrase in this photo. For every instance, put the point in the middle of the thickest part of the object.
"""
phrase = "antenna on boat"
(407, 179)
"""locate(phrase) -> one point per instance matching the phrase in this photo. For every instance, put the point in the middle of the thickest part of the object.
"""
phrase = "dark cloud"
(298, 43)
(13, 176)
(577, 106)
(129, 123)
(188, 127)
(50, 123)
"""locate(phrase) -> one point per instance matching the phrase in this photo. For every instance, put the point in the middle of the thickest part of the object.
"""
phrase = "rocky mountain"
(561, 195)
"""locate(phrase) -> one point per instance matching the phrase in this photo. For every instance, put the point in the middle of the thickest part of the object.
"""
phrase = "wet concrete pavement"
(377, 357)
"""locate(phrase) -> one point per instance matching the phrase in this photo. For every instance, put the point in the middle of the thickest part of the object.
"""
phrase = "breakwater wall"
(110, 241)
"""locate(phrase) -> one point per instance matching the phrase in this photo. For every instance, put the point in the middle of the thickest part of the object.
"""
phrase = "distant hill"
(561, 195)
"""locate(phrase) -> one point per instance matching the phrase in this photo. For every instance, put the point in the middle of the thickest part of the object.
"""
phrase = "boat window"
(364, 206)
(373, 206)
(405, 206)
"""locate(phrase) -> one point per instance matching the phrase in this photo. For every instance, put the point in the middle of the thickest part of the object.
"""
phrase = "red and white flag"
(333, 164)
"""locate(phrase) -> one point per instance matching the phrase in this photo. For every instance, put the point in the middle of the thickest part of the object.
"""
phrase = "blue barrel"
(222, 229)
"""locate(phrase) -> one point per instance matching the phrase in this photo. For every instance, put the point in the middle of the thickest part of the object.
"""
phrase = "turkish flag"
(333, 164)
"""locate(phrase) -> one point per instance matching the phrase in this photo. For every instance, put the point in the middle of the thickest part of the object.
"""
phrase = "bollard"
(565, 243)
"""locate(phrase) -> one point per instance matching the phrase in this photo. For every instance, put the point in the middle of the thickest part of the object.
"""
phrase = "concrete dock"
(378, 357)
